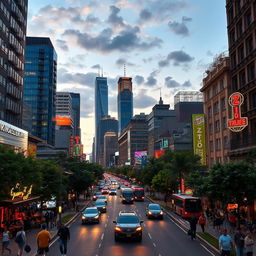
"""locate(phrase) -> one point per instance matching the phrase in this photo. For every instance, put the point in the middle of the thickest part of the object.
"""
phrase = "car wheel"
(116, 238)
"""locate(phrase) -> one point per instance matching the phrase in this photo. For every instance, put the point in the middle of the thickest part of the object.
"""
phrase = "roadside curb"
(54, 237)
(211, 248)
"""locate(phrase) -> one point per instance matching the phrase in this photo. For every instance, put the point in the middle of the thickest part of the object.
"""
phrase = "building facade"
(134, 138)
(124, 102)
(101, 109)
(13, 23)
(215, 90)
(40, 86)
(241, 17)
(76, 113)
(110, 147)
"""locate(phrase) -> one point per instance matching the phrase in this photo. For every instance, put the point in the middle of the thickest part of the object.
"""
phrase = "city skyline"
(162, 51)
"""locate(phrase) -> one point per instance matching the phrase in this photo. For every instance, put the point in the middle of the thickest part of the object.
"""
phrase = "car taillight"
(135, 197)
(118, 229)
(143, 197)
(139, 229)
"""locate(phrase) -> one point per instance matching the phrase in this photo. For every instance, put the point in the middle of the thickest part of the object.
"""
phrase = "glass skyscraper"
(125, 102)
(40, 86)
(101, 108)
(76, 112)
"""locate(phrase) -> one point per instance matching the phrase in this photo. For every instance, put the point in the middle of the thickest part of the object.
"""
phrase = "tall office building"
(110, 147)
(13, 21)
(40, 86)
(241, 17)
(101, 108)
(125, 102)
(64, 104)
(76, 113)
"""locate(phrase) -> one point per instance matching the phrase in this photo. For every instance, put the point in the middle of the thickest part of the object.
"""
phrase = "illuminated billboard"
(140, 157)
(159, 153)
(198, 124)
(236, 123)
(63, 120)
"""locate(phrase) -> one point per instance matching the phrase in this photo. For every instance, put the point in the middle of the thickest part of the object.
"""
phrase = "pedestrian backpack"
(19, 238)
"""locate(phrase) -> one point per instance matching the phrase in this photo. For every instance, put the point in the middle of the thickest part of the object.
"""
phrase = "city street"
(160, 237)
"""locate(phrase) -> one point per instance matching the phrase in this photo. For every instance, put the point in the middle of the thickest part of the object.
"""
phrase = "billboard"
(63, 120)
(159, 153)
(198, 125)
(140, 157)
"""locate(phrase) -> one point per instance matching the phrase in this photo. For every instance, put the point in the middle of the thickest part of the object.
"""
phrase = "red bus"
(138, 193)
(186, 206)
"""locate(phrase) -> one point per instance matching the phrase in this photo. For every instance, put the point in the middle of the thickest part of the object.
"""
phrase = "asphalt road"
(160, 237)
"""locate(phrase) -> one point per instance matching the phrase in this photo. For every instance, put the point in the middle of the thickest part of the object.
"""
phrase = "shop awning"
(18, 202)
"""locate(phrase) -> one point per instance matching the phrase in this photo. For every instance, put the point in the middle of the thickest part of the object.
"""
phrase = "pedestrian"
(64, 236)
(249, 242)
(202, 221)
(193, 222)
(225, 244)
(43, 239)
(47, 219)
(239, 242)
(20, 239)
(6, 241)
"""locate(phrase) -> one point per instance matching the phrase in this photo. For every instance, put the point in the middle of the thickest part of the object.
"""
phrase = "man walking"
(225, 243)
(193, 222)
(239, 242)
(43, 240)
(64, 236)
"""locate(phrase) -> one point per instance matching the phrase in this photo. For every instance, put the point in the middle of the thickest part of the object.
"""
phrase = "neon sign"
(237, 123)
(17, 192)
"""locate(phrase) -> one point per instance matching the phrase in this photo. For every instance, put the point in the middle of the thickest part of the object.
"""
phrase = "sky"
(165, 44)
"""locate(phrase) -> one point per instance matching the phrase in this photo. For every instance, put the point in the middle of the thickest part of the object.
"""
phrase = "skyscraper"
(125, 102)
(76, 113)
(101, 107)
(40, 86)
(13, 20)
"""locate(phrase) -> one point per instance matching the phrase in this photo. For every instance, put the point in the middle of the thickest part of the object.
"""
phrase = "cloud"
(139, 79)
(85, 79)
(62, 45)
(151, 80)
(145, 14)
(113, 18)
(177, 57)
(127, 40)
(97, 66)
(141, 100)
(122, 61)
(180, 28)
(171, 83)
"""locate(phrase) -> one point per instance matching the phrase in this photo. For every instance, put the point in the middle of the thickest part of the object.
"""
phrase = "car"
(128, 226)
(103, 197)
(104, 191)
(112, 191)
(96, 195)
(154, 211)
(90, 215)
(101, 205)
(127, 195)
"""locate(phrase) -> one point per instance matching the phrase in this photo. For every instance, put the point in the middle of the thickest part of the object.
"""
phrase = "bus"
(186, 206)
(127, 195)
(138, 193)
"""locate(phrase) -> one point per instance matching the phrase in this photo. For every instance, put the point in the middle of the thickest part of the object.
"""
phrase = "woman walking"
(202, 221)
(20, 239)
(6, 241)
(249, 242)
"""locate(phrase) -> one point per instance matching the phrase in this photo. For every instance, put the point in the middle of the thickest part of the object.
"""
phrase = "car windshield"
(102, 197)
(99, 203)
(154, 207)
(127, 219)
(112, 189)
(90, 211)
(127, 193)
(97, 193)
(139, 192)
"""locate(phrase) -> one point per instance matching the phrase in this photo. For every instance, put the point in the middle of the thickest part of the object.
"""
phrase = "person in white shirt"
(6, 241)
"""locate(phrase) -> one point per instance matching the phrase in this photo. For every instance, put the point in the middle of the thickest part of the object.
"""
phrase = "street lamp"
(60, 211)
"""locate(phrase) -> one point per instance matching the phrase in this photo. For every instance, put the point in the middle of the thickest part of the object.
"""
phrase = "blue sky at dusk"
(165, 44)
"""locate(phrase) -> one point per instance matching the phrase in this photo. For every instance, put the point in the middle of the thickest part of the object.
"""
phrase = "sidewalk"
(31, 234)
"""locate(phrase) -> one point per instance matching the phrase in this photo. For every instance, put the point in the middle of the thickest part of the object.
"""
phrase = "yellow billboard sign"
(198, 125)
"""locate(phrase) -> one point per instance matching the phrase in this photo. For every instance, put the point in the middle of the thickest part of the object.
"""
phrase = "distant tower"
(125, 102)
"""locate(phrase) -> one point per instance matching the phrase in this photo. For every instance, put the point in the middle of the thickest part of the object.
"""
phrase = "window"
(209, 94)
(249, 45)
(210, 112)
(230, 14)
(251, 71)
(223, 103)
(215, 89)
(218, 160)
(239, 29)
(210, 129)
(217, 144)
(224, 122)
(238, 6)
(217, 125)
(232, 36)
(242, 80)
(234, 84)
(240, 52)
(216, 107)
(248, 18)
(226, 142)
(211, 146)
(254, 99)
(221, 84)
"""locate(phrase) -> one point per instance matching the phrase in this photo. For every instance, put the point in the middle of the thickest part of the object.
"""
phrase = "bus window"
(193, 205)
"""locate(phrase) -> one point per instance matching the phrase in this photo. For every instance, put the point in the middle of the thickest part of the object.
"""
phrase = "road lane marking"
(149, 236)
(154, 244)
(105, 225)
(102, 236)
(99, 245)
(207, 249)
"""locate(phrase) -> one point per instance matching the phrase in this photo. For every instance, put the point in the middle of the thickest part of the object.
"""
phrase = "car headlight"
(83, 217)
(104, 207)
(161, 213)
(150, 213)
(118, 229)
(132, 198)
(96, 217)
(138, 228)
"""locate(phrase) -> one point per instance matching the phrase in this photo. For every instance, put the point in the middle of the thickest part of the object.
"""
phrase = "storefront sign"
(22, 194)
(232, 206)
(237, 123)
(189, 192)
(198, 123)
(13, 136)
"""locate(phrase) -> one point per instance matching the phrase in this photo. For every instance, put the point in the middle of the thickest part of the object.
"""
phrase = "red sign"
(237, 123)
(189, 192)
(159, 153)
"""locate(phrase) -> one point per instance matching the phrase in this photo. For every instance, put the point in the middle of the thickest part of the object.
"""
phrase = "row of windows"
(3, 63)
(14, 91)
(5, 10)
(2, 98)
(14, 25)
(3, 45)
(2, 81)
(217, 125)
(4, 28)
(17, 11)
(13, 106)
(218, 87)
(16, 44)
(14, 58)
(218, 144)
(223, 106)
(15, 76)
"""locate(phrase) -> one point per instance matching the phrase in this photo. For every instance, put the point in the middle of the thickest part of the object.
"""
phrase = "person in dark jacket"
(193, 222)
(64, 236)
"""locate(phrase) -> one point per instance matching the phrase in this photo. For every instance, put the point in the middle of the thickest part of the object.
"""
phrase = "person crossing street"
(64, 236)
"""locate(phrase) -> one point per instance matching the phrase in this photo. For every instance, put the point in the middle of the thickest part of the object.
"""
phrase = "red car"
(104, 191)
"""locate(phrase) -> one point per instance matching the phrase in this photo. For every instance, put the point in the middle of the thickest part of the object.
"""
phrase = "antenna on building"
(99, 71)
(161, 100)
(124, 70)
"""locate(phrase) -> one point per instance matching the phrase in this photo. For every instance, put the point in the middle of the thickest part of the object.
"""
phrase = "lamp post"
(60, 211)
